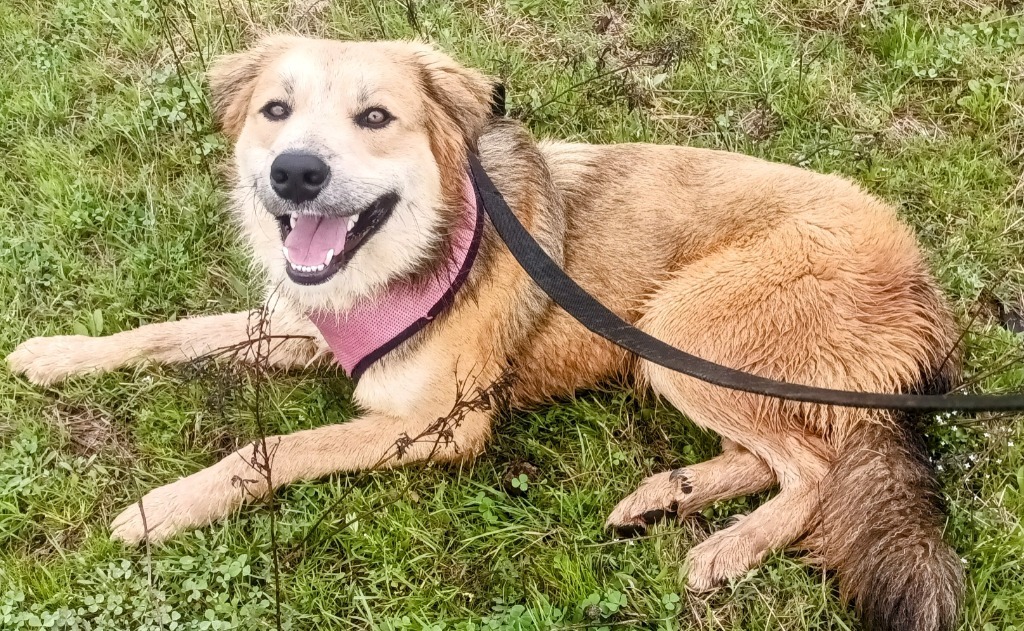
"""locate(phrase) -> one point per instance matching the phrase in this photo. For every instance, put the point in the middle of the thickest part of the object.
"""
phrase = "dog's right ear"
(232, 79)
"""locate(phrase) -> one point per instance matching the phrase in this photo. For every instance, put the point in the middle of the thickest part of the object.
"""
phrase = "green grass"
(112, 215)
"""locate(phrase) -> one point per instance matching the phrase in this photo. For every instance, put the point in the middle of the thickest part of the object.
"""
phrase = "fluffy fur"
(763, 267)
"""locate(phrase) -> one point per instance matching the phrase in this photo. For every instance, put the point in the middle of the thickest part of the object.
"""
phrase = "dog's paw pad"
(628, 531)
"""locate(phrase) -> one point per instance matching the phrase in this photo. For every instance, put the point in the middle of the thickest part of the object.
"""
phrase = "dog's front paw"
(47, 360)
(199, 499)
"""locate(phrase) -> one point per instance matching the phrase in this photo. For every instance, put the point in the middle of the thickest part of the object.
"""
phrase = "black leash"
(599, 319)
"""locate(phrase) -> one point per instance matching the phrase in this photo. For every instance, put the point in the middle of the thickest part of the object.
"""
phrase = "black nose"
(298, 177)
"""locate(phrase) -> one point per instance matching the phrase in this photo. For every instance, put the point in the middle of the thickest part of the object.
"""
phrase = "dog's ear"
(464, 95)
(498, 99)
(232, 79)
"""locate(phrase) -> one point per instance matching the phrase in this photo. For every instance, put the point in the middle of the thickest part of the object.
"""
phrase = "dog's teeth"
(293, 218)
(307, 268)
(330, 255)
(352, 221)
(284, 250)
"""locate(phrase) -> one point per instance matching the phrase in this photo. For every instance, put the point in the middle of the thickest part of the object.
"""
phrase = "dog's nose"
(298, 177)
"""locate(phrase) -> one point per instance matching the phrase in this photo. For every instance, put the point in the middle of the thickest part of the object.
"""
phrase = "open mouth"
(317, 246)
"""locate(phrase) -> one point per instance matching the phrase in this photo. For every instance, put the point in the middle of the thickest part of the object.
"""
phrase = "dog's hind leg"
(777, 523)
(764, 310)
(681, 492)
(46, 360)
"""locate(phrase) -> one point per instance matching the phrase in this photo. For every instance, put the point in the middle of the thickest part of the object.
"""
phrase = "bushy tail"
(881, 530)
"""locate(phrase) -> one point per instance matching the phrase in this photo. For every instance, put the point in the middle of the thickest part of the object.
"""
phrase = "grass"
(112, 215)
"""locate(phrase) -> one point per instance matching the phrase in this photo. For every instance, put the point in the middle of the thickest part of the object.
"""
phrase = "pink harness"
(371, 329)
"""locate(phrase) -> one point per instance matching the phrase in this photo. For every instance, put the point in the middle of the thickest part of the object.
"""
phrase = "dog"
(353, 194)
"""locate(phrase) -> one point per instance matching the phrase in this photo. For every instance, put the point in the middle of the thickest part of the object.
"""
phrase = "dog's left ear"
(464, 94)
(498, 99)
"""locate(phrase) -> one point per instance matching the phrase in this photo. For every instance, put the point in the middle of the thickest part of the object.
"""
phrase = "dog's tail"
(881, 529)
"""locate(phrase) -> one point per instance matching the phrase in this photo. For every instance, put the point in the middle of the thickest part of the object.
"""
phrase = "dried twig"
(258, 332)
(637, 62)
(149, 565)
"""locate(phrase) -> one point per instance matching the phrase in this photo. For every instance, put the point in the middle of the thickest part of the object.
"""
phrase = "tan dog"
(758, 266)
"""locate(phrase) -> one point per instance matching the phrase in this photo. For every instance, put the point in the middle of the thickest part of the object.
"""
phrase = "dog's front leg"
(46, 360)
(374, 441)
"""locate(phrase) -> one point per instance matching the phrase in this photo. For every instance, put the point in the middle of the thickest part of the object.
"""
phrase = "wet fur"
(763, 267)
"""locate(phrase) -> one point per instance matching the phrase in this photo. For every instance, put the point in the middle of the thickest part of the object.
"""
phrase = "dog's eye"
(276, 110)
(374, 118)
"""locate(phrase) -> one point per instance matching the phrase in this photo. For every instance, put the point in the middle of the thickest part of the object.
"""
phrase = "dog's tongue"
(312, 238)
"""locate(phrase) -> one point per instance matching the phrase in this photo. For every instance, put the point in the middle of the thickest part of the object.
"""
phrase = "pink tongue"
(313, 237)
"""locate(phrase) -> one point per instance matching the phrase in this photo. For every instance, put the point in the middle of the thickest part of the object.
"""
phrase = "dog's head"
(350, 158)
